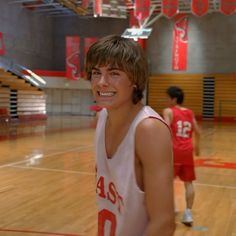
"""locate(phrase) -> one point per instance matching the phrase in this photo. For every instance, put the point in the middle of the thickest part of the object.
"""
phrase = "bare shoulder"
(151, 125)
(152, 138)
(167, 111)
(167, 115)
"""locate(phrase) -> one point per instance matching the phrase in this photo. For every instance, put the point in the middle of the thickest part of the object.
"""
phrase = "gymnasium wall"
(216, 101)
(28, 37)
(83, 27)
(211, 45)
(38, 42)
(68, 97)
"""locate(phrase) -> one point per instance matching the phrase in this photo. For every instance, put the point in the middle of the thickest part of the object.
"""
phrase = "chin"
(103, 105)
(107, 106)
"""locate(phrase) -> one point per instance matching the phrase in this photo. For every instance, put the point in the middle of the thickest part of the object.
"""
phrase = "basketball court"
(47, 131)
(47, 185)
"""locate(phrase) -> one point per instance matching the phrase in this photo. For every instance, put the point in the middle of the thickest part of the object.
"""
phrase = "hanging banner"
(228, 7)
(2, 46)
(97, 8)
(72, 57)
(200, 7)
(85, 4)
(180, 43)
(142, 9)
(169, 8)
(133, 21)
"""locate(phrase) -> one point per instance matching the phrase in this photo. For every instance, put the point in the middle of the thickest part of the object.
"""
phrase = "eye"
(95, 73)
(114, 73)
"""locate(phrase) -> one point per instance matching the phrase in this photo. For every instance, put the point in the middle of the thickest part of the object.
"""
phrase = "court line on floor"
(37, 232)
(54, 170)
(211, 185)
(90, 173)
(47, 155)
(216, 186)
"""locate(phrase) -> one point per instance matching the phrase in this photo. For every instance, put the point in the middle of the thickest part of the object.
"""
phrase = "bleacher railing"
(10, 65)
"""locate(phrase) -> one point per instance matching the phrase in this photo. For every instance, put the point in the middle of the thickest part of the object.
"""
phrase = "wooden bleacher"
(20, 99)
(4, 104)
(192, 84)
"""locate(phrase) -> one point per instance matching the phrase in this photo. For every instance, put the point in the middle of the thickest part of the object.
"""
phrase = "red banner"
(169, 7)
(200, 7)
(142, 9)
(180, 43)
(2, 46)
(72, 57)
(85, 3)
(133, 21)
(97, 8)
(227, 7)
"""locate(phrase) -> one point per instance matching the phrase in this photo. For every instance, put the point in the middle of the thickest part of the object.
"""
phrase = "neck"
(123, 115)
(178, 105)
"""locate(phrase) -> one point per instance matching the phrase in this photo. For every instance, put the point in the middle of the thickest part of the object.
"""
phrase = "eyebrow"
(115, 68)
(109, 69)
(94, 68)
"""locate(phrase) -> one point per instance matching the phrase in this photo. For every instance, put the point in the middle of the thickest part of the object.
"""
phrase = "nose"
(103, 81)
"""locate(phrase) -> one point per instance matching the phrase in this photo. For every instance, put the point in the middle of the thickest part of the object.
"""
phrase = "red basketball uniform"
(182, 129)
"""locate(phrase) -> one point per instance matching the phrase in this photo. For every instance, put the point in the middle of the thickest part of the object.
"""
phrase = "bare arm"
(167, 115)
(196, 130)
(154, 150)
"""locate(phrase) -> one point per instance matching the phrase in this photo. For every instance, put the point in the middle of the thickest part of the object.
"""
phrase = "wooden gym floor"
(47, 178)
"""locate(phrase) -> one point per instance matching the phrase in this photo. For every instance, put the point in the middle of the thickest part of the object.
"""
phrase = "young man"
(133, 145)
(183, 123)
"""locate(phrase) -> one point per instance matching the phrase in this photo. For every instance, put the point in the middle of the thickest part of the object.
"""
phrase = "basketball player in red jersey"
(183, 124)
(133, 145)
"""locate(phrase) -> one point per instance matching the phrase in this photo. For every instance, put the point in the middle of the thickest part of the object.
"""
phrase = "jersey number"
(183, 129)
(105, 216)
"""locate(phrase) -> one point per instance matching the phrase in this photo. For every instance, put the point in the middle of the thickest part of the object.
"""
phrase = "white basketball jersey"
(122, 210)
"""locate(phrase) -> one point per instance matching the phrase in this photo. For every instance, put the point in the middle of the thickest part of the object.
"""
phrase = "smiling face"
(111, 86)
(113, 65)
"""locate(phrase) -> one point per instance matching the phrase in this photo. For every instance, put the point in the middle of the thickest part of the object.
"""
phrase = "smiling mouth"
(106, 94)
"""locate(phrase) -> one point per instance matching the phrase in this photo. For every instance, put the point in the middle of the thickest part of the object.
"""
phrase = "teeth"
(106, 94)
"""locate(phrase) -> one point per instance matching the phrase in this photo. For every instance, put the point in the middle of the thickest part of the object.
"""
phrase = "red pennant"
(85, 3)
(133, 21)
(180, 43)
(142, 9)
(98, 7)
(228, 7)
(169, 7)
(200, 7)
(2, 46)
(72, 57)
